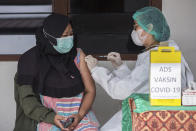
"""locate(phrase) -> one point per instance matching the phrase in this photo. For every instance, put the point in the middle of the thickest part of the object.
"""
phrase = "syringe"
(103, 56)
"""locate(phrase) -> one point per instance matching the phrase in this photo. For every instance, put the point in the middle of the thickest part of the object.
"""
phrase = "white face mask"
(137, 38)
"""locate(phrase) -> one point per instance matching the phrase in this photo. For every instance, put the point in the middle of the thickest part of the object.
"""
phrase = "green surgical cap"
(153, 21)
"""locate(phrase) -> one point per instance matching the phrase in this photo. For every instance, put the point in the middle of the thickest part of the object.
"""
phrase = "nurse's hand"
(91, 62)
(115, 58)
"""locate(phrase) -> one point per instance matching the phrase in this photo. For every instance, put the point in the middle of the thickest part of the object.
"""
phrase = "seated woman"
(58, 73)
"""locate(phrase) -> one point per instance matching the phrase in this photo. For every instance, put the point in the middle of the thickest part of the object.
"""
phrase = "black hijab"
(49, 72)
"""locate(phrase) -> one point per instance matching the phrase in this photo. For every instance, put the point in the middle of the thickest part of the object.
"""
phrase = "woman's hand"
(77, 119)
(57, 122)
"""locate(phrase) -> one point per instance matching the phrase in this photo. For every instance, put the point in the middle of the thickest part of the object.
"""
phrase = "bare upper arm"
(85, 73)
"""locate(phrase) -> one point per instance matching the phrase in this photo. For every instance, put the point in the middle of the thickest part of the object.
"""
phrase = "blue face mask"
(64, 44)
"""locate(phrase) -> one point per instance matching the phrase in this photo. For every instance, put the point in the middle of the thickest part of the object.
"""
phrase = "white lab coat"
(122, 82)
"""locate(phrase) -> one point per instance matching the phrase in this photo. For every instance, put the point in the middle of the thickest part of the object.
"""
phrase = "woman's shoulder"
(80, 54)
(144, 55)
(80, 51)
(29, 54)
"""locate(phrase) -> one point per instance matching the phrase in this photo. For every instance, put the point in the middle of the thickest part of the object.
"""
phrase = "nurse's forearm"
(116, 88)
(122, 71)
(106, 80)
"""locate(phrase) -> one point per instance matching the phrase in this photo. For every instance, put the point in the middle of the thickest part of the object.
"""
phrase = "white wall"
(181, 17)
(7, 109)
(16, 44)
(21, 9)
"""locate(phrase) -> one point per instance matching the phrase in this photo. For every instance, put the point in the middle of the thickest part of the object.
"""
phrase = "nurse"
(150, 29)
